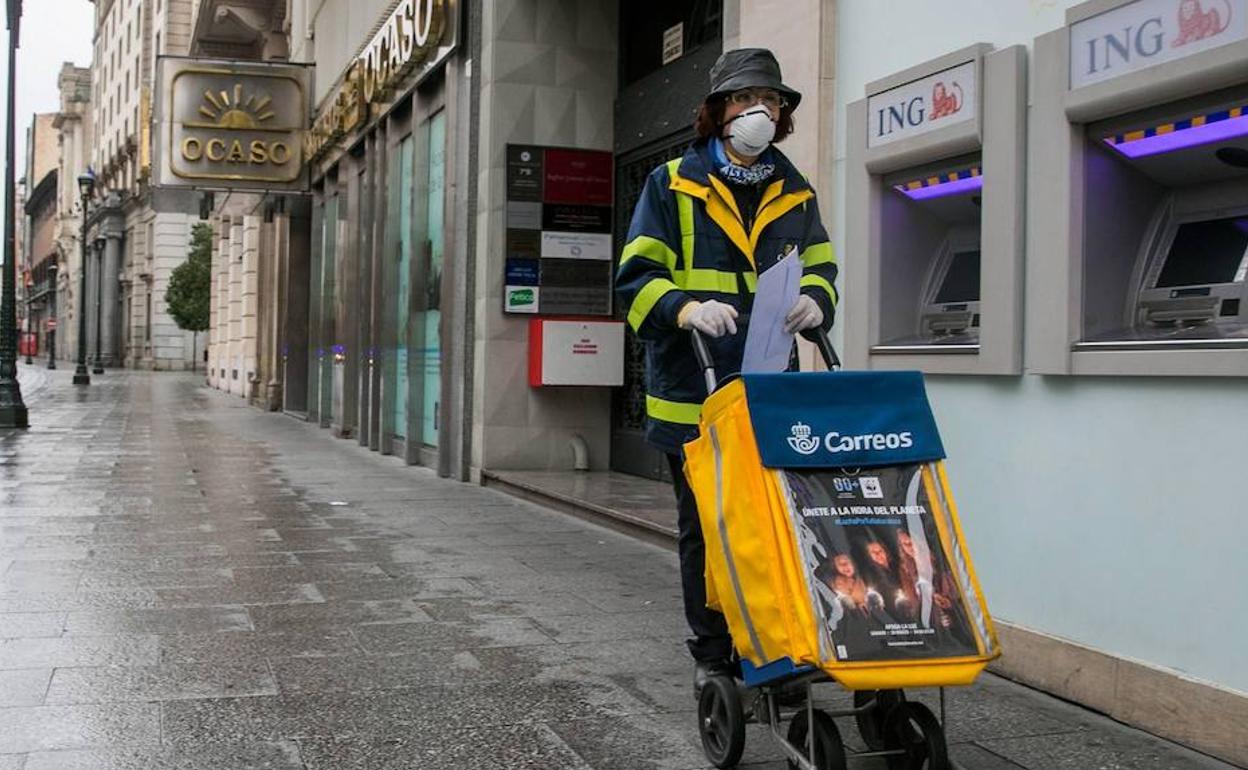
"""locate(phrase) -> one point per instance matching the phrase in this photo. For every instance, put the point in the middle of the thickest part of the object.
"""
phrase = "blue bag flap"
(841, 419)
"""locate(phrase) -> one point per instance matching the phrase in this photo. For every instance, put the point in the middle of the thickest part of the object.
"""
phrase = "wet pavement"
(187, 582)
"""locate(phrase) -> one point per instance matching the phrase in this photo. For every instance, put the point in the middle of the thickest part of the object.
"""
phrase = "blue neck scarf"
(760, 172)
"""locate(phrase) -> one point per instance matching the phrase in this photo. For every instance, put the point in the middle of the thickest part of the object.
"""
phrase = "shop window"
(400, 188)
(431, 351)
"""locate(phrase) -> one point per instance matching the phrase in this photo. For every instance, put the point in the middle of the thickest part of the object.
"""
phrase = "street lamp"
(13, 412)
(52, 323)
(98, 368)
(86, 183)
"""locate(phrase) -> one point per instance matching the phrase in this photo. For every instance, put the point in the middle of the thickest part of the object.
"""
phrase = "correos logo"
(801, 440)
(835, 442)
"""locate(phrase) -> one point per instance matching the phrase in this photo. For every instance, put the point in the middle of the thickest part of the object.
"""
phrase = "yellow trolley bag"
(833, 549)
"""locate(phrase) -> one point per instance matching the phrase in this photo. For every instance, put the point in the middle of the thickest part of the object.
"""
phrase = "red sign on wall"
(578, 176)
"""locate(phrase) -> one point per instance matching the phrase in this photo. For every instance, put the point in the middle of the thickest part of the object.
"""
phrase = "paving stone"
(23, 687)
(632, 743)
(47, 728)
(381, 713)
(269, 755)
(338, 613)
(362, 673)
(178, 578)
(25, 624)
(158, 683)
(124, 650)
(451, 636)
(159, 621)
(1117, 749)
(470, 608)
(227, 647)
(509, 747)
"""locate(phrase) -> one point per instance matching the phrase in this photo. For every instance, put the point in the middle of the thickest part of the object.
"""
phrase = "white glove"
(804, 315)
(712, 318)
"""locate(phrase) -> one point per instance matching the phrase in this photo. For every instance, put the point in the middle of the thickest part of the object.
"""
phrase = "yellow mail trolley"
(834, 551)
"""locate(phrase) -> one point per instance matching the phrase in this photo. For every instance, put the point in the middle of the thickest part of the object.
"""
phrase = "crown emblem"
(801, 441)
(236, 110)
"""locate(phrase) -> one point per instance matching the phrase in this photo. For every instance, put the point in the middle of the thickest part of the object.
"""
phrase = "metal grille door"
(629, 451)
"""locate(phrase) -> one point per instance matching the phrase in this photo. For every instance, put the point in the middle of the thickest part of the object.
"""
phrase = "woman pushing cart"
(818, 537)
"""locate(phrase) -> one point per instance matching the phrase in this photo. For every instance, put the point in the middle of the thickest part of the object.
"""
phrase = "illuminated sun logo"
(236, 110)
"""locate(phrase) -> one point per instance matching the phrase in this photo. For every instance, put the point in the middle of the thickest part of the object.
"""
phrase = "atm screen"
(1205, 253)
(961, 283)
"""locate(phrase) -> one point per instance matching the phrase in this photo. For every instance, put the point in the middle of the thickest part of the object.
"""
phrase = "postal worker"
(706, 225)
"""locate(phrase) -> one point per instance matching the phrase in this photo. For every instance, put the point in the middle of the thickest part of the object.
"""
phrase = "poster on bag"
(879, 576)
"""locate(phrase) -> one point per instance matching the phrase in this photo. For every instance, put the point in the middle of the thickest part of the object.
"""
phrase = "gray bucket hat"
(749, 68)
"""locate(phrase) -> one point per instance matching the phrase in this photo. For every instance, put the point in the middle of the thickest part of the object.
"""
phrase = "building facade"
(73, 127)
(137, 235)
(252, 230)
(38, 233)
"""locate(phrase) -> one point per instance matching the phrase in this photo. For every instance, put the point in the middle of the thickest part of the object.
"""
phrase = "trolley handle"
(707, 364)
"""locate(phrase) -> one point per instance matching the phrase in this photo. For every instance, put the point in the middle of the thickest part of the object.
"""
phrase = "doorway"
(653, 124)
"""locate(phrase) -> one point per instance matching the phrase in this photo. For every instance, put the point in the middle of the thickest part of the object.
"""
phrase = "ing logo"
(1198, 23)
(945, 101)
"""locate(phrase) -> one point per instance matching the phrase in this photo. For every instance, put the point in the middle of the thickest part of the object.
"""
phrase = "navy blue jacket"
(688, 241)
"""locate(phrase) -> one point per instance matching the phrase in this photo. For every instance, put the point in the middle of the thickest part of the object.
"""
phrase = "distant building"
(136, 237)
(39, 252)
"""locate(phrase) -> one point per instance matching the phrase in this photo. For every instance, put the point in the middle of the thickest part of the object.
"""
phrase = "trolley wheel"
(721, 722)
(871, 722)
(913, 728)
(829, 750)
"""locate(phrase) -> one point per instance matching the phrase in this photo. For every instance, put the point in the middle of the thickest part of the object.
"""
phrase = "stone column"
(110, 323)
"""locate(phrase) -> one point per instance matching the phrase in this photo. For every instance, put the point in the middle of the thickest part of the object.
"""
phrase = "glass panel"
(431, 353)
(328, 329)
(315, 341)
(403, 298)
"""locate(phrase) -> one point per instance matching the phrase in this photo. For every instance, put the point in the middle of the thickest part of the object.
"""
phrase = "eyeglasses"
(748, 97)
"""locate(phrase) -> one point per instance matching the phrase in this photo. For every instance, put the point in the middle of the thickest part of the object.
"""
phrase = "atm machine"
(1186, 286)
(1142, 116)
(934, 226)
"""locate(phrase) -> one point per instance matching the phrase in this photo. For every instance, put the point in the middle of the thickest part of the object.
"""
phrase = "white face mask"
(752, 131)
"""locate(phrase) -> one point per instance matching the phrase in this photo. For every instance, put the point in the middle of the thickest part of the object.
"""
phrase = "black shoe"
(705, 669)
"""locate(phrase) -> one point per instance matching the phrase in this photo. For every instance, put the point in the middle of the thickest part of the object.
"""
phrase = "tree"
(187, 296)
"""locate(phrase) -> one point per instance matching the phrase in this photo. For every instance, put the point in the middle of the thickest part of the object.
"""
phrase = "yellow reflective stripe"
(775, 209)
(820, 282)
(723, 281)
(684, 207)
(673, 411)
(652, 249)
(819, 254)
(718, 211)
(646, 299)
